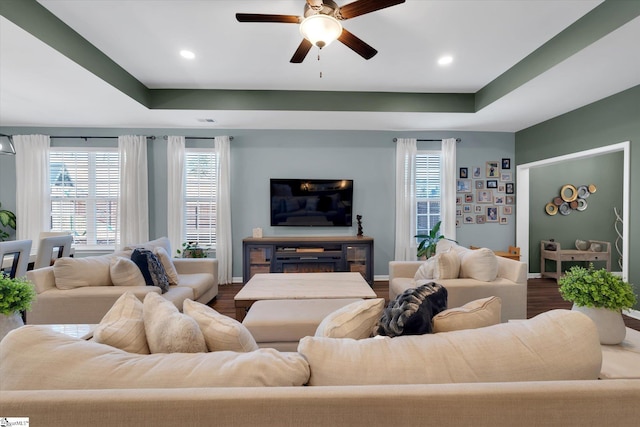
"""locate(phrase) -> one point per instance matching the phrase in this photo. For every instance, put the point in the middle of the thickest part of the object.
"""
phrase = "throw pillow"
(168, 330)
(123, 325)
(71, 273)
(475, 314)
(355, 320)
(220, 332)
(152, 244)
(447, 265)
(480, 264)
(151, 268)
(125, 272)
(426, 270)
(167, 263)
(412, 311)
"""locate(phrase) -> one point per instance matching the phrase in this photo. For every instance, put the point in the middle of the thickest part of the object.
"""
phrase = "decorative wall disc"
(551, 209)
(568, 193)
(565, 209)
(582, 204)
(592, 188)
(583, 192)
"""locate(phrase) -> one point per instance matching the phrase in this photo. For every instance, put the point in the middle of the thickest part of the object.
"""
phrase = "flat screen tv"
(311, 202)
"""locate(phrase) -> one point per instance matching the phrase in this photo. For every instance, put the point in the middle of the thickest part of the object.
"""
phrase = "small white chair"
(52, 248)
(20, 249)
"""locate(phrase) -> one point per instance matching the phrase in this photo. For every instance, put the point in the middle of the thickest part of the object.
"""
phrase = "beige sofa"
(510, 283)
(541, 371)
(197, 280)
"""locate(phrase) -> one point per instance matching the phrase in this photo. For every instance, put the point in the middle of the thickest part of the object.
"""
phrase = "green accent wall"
(609, 121)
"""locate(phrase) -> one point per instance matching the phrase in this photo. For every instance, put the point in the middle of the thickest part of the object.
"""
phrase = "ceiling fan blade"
(357, 45)
(257, 17)
(301, 52)
(360, 7)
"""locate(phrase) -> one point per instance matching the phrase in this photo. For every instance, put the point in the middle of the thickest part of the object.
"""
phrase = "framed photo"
(458, 200)
(479, 185)
(498, 199)
(507, 210)
(509, 188)
(466, 208)
(492, 183)
(464, 173)
(481, 219)
(476, 172)
(463, 186)
(506, 163)
(501, 188)
(484, 196)
(506, 176)
(509, 200)
(458, 223)
(504, 220)
(493, 169)
(468, 198)
(458, 212)
(492, 214)
(469, 219)
(478, 209)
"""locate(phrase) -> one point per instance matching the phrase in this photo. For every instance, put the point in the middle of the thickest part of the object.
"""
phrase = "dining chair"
(20, 250)
(52, 248)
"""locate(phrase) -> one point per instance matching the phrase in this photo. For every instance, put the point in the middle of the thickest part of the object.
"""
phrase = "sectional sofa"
(541, 371)
(81, 290)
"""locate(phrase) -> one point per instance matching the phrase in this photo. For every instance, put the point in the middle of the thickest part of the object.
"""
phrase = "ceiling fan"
(320, 24)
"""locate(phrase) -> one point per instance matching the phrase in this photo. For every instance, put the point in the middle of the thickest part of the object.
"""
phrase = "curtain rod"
(198, 137)
(115, 137)
(429, 140)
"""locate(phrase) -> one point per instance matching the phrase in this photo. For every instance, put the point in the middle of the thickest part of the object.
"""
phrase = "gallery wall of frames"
(485, 193)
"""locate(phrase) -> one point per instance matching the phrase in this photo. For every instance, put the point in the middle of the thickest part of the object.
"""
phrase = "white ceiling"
(41, 87)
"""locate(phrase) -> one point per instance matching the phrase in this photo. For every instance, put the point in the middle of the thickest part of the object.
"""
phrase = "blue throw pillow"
(151, 268)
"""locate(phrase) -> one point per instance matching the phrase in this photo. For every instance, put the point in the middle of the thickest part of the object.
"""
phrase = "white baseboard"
(632, 313)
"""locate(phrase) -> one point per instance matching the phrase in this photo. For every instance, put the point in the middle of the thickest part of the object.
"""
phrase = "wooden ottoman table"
(284, 286)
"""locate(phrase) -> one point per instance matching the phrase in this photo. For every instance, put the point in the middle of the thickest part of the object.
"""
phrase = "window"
(200, 196)
(428, 186)
(84, 188)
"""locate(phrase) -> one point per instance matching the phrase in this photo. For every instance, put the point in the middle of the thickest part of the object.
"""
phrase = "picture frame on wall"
(466, 208)
(509, 200)
(464, 173)
(498, 199)
(501, 188)
(509, 188)
(481, 219)
(507, 210)
(463, 186)
(478, 209)
(479, 184)
(492, 183)
(458, 224)
(458, 200)
(477, 172)
(504, 220)
(469, 219)
(492, 214)
(506, 163)
(484, 196)
(458, 212)
(506, 176)
(493, 169)
(468, 198)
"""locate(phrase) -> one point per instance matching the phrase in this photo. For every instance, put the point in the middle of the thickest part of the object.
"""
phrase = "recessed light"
(445, 60)
(187, 54)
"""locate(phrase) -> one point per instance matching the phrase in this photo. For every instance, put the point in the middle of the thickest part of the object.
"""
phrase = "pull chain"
(319, 61)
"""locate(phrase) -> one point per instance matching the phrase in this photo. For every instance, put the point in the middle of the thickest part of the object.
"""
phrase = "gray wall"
(367, 157)
(608, 121)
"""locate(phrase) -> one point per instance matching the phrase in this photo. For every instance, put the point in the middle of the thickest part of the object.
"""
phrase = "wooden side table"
(559, 255)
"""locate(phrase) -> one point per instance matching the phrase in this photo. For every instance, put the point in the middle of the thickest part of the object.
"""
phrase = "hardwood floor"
(542, 295)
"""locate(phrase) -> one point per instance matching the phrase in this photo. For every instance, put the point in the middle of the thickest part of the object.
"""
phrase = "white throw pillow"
(220, 332)
(447, 265)
(123, 326)
(167, 263)
(475, 314)
(426, 270)
(355, 320)
(73, 273)
(168, 330)
(152, 244)
(125, 272)
(480, 264)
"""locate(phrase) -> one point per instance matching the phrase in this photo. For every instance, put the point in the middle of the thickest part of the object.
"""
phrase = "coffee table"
(279, 286)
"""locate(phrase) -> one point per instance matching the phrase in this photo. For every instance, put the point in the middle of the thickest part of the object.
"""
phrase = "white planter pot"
(9, 322)
(610, 323)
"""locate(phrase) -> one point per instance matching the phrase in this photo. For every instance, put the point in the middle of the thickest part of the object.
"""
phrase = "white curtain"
(448, 213)
(224, 252)
(175, 191)
(405, 249)
(33, 210)
(133, 205)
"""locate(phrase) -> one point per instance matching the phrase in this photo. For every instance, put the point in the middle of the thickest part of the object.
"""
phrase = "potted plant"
(7, 219)
(16, 295)
(427, 246)
(191, 250)
(602, 296)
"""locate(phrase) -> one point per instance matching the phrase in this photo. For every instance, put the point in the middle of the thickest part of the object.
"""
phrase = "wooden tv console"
(307, 254)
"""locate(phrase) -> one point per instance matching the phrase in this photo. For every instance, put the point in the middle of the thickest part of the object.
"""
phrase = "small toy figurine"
(359, 219)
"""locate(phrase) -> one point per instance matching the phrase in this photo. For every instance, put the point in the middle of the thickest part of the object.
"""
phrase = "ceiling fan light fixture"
(320, 29)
